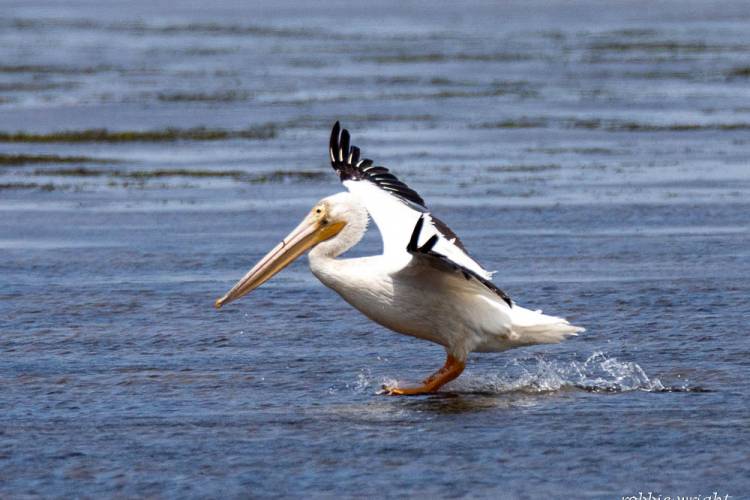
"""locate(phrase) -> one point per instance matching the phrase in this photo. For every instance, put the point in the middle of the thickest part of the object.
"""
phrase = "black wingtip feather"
(344, 148)
(414, 240)
(427, 247)
(335, 132)
(426, 250)
(345, 160)
(354, 155)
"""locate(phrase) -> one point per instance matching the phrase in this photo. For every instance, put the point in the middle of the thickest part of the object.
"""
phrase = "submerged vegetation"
(274, 176)
(574, 150)
(741, 72)
(27, 185)
(52, 69)
(522, 168)
(609, 125)
(287, 175)
(163, 135)
(221, 96)
(141, 176)
(627, 126)
(519, 123)
(25, 159)
(654, 46)
(438, 57)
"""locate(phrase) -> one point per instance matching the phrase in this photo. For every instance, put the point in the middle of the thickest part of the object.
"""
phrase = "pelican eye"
(317, 211)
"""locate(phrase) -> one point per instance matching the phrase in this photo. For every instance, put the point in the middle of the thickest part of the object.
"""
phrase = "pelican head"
(338, 221)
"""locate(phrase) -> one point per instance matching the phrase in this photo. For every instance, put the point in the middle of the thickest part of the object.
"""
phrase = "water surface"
(595, 155)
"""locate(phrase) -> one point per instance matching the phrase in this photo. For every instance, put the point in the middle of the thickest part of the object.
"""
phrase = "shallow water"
(596, 156)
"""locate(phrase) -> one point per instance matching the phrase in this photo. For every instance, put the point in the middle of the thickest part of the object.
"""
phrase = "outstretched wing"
(394, 206)
(426, 251)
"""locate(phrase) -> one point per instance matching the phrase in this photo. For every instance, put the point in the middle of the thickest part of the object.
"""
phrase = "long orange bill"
(305, 236)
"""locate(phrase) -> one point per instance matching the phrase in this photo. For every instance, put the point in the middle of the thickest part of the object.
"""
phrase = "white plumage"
(396, 218)
(408, 294)
(424, 284)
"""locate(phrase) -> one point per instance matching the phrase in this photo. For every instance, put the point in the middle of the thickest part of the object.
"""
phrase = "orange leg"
(452, 369)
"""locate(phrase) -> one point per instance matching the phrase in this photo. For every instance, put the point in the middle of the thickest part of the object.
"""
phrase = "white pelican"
(424, 284)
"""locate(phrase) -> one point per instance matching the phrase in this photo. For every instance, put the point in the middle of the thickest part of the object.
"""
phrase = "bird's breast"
(417, 305)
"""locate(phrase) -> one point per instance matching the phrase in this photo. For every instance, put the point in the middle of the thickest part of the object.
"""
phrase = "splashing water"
(598, 373)
(364, 381)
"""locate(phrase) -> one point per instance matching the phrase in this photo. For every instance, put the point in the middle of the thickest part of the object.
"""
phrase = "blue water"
(596, 155)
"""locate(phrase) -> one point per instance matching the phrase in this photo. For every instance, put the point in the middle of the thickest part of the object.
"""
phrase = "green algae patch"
(27, 185)
(519, 123)
(138, 174)
(654, 46)
(523, 168)
(144, 175)
(575, 150)
(741, 72)
(287, 175)
(446, 57)
(226, 96)
(163, 135)
(625, 126)
(51, 69)
(74, 172)
(27, 159)
(159, 174)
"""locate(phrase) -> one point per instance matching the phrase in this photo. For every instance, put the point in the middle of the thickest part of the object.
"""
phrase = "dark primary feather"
(413, 246)
(345, 159)
(347, 162)
(444, 263)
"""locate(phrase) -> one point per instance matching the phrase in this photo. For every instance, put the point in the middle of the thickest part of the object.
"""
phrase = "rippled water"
(595, 154)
